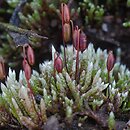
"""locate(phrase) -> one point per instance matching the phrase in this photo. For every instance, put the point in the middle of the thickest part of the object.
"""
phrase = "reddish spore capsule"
(65, 13)
(82, 42)
(58, 64)
(76, 38)
(66, 32)
(110, 61)
(30, 55)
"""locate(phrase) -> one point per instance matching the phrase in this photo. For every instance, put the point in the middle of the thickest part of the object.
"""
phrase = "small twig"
(96, 117)
(13, 28)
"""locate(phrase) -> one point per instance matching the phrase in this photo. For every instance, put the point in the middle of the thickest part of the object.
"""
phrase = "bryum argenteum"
(74, 81)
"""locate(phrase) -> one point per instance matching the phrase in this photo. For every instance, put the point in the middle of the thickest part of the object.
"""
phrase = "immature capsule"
(58, 64)
(76, 38)
(65, 13)
(82, 42)
(30, 55)
(66, 32)
(110, 61)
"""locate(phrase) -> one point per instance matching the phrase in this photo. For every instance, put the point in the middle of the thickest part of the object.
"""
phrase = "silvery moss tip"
(60, 94)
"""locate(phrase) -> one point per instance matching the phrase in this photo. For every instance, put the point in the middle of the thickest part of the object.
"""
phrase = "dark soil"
(116, 37)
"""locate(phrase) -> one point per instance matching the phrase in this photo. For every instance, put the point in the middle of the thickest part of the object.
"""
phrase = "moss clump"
(61, 94)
